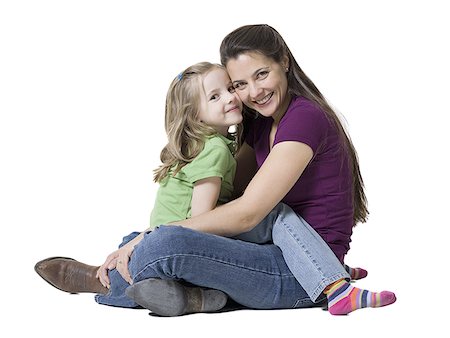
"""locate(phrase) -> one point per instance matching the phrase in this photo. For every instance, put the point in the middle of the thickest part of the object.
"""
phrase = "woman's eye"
(231, 89)
(262, 74)
(239, 85)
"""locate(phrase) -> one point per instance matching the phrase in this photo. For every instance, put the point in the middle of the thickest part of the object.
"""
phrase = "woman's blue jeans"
(254, 275)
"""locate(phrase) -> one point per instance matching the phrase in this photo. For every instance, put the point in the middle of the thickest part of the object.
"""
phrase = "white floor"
(31, 305)
(34, 307)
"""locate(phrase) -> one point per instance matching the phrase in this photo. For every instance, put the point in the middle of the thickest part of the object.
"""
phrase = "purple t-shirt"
(323, 193)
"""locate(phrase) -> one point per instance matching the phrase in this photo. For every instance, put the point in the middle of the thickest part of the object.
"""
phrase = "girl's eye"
(231, 89)
(213, 97)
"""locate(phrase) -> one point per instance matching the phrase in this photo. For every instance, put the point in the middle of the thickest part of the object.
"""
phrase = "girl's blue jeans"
(291, 272)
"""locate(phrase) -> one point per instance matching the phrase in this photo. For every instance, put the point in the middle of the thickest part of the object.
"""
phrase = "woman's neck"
(282, 110)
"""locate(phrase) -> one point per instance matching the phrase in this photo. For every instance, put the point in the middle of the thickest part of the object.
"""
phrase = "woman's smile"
(264, 100)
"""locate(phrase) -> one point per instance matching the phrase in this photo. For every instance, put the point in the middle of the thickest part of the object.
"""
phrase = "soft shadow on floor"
(233, 306)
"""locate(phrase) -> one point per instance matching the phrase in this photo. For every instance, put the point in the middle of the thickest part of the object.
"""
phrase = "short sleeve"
(215, 160)
(304, 122)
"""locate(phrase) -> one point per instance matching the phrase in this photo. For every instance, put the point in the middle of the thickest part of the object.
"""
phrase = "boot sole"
(169, 298)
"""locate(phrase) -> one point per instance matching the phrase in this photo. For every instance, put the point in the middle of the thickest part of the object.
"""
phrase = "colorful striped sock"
(356, 273)
(344, 298)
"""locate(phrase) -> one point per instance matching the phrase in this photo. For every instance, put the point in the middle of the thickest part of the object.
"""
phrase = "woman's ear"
(285, 63)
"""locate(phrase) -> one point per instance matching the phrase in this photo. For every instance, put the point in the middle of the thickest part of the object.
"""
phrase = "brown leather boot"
(69, 275)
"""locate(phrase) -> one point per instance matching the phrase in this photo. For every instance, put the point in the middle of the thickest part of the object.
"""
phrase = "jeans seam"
(324, 281)
(209, 259)
(301, 301)
(306, 251)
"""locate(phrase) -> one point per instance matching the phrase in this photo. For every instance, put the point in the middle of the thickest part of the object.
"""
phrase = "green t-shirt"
(174, 196)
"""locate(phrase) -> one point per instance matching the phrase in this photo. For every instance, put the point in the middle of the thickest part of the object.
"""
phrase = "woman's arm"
(282, 168)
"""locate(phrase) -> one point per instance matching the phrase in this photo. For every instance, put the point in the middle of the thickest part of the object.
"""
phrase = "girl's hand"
(118, 260)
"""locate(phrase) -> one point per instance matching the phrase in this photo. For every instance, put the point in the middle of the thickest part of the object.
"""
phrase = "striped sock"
(356, 273)
(344, 298)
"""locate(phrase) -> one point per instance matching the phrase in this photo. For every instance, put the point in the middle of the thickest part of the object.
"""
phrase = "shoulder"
(215, 159)
(305, 110)
(218, 146)
(216, 151)
(304, 121)
(215, 141)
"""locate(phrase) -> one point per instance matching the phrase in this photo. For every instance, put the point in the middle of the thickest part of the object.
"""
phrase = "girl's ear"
(198, 116)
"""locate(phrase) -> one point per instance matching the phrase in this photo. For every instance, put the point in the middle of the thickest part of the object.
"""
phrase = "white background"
(82, 90)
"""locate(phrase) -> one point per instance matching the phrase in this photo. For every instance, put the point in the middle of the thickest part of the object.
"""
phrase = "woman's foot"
(344, 298)
(69, 275)
(356, 273)
(170, 298)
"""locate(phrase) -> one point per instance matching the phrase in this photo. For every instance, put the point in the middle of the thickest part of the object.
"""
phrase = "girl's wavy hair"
(267, 41)
(185, 132)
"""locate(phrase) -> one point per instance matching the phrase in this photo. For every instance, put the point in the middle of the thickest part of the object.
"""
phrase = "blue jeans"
(308, 256)
(254, 275)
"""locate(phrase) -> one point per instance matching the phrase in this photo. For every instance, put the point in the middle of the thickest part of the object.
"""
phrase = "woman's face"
(261, 83)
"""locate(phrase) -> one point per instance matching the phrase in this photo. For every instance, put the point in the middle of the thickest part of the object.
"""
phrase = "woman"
(304, 159)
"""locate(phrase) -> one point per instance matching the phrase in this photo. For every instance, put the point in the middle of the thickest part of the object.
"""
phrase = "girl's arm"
(205, 195)
(282, 168)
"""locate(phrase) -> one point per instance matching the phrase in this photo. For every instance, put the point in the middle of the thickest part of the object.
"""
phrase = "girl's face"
(220, 105)
(261, 83)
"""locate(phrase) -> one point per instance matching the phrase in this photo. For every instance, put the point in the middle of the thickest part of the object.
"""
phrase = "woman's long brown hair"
(267, 41)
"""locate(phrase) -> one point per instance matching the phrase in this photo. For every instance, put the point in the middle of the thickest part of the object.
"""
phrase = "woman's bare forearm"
(226, 220)
(272, 182)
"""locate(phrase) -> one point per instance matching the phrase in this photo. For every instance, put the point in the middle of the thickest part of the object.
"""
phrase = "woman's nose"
(231, 98)
(254, 91)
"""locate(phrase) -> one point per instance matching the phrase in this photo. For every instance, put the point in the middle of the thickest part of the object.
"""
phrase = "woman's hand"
(118, 260)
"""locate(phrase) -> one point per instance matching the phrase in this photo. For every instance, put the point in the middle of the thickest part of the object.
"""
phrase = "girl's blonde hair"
(185, 132)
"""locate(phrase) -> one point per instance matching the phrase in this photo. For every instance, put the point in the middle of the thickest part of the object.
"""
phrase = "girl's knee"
(159, 251)
(173, 236)
(128, 238)
(164, 241)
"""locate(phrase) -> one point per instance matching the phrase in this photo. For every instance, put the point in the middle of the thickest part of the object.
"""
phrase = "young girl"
(196, 174)
(198, 166)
